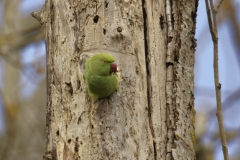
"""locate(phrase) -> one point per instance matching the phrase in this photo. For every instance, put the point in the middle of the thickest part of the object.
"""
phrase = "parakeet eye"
(104, 61)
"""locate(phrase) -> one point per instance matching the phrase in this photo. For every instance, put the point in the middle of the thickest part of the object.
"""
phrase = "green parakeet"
(100, 76)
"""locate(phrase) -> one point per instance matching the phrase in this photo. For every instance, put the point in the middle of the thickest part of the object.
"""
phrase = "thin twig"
(214, 33)
(212, 7)
(219, 4)
(209, 15)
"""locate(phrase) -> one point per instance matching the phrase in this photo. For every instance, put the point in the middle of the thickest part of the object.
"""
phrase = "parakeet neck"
(102, 70)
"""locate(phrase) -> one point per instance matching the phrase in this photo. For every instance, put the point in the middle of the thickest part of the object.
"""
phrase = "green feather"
(100, 81)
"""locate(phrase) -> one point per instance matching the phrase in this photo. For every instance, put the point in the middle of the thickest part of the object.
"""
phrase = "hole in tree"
(106, 4)
(95, 19)
(161, 21)
(57, 133)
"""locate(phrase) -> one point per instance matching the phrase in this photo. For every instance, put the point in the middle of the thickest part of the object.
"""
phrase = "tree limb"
(219, 4)
(214, 33)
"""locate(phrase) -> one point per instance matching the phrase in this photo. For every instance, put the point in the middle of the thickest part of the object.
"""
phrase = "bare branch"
(37, 16)
(212, 6)
(214, 33)
(209, 15)
(219, 4)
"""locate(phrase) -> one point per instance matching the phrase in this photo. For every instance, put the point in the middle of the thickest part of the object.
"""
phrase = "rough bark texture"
(181, 20)
(150, 116)
(155, 48)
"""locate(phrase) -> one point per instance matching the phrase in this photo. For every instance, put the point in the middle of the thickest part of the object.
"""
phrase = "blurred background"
(23, 85)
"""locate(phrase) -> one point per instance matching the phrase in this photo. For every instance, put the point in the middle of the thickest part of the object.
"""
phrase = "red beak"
(113, 67)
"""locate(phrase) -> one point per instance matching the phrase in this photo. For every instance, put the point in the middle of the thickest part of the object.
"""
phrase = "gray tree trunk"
(151, 115)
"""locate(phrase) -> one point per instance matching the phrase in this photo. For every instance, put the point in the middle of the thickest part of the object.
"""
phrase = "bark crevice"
(149, 85)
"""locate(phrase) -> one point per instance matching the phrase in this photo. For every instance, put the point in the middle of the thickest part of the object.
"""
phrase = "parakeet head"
(103, 64)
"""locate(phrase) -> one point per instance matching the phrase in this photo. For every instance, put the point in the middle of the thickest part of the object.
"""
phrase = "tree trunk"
(151, 115)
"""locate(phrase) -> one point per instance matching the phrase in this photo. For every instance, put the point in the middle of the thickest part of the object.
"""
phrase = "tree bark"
(151, 115)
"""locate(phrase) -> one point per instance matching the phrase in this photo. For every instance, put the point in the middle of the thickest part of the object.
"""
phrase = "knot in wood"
(119, 29)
